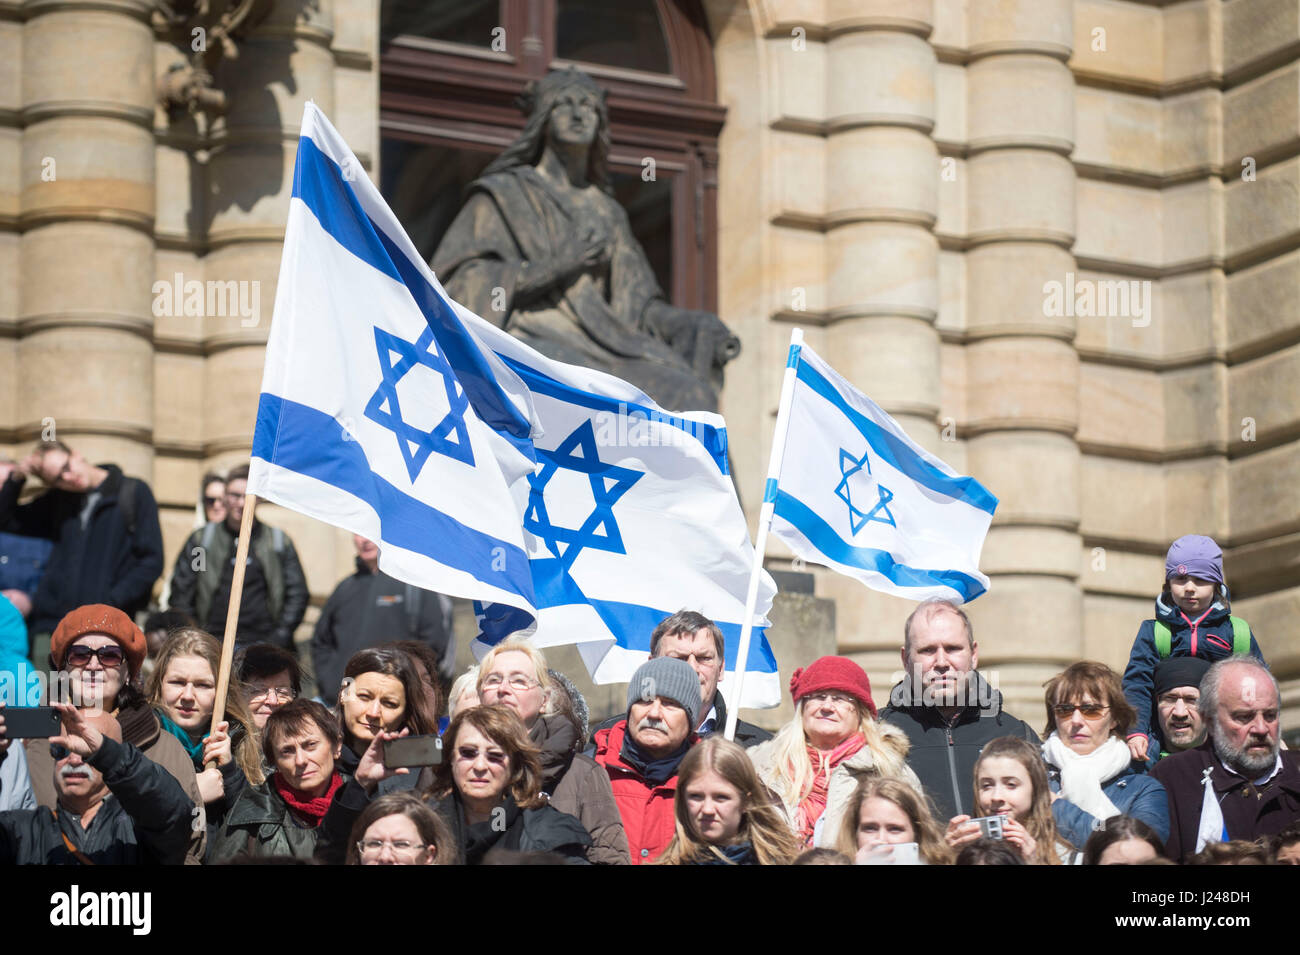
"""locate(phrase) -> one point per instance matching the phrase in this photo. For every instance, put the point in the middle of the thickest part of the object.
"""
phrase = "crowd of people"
(1176, 761)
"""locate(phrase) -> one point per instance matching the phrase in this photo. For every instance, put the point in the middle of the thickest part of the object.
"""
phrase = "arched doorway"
(450, 73)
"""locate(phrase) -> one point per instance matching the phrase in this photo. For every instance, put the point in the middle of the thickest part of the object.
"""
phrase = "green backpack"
(1240, 637)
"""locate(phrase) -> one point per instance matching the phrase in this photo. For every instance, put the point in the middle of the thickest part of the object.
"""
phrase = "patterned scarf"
(823, 763)
(306, 808)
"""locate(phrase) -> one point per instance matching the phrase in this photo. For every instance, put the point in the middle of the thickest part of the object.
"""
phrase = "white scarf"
(1083, 776)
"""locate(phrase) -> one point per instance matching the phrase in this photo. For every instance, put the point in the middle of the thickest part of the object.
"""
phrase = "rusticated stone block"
(1121, 500)
(1264, 396)
(882, 171)
(1034, 474)
(1261, 302)
(880, 77)
(1021, 193)
(1120, 407)
(882, 268)
(1020, 100)
(1023, 383)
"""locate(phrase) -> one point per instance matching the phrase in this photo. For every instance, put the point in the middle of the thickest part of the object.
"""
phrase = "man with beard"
(642, 753)
(1177, 692)
(945, 707)
(1239, 784)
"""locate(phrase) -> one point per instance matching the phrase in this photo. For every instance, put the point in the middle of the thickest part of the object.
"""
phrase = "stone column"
(882, 257)
(1021, 367)
(84, 362)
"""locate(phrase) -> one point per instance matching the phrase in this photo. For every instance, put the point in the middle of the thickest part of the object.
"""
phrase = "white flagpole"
(764, 522)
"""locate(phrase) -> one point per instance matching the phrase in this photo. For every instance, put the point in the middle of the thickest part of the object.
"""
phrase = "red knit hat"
(833, 673)
(99, 618)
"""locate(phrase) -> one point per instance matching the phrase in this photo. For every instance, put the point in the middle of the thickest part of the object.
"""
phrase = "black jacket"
(261, 824)
(747, 734)
(943, 754)
(520, 830)
(368, 609)
(146, 818)
(102, 563)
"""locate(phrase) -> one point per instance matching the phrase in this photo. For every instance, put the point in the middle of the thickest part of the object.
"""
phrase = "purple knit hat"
(1195, 555)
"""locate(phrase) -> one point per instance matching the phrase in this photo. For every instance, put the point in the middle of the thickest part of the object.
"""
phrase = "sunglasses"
(1090, 711)
(110, 656)
(212, 501)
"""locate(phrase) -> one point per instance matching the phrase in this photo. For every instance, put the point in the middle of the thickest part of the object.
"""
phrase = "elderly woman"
(399, 829)
(382, 692)
(488, 790)
(282, 816)
(182, 689)
(815, 762)
(1090, 768)
(514, 674)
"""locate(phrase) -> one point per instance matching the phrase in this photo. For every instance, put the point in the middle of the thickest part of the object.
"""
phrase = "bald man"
(115, 806)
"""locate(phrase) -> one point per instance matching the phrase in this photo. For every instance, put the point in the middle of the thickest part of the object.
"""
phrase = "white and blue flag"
(379, 412)
(857, 494)
(630, 517)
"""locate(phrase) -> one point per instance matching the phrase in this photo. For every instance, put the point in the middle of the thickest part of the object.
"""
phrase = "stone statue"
(542, 249)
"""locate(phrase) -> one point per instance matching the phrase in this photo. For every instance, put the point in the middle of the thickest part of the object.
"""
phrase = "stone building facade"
(904, 179)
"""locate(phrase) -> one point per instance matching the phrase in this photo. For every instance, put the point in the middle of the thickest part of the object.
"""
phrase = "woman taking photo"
(1010, 781)
(182, 689)
(724, 816)
(399, 829)
(815, 762)
(382, 692)
(886, 813)
(514, 674)
(488, 790)
(1092, 773)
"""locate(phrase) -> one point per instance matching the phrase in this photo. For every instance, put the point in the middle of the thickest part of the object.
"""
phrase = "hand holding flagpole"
(765, 522)
(232, 612)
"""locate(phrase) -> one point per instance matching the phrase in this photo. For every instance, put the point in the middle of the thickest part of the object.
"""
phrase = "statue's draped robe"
(595, 319)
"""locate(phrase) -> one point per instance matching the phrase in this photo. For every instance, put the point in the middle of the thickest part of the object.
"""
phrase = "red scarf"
(823, 763)
(306, 808)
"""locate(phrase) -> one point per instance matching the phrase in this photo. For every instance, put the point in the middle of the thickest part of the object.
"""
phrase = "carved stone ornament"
(205, 30)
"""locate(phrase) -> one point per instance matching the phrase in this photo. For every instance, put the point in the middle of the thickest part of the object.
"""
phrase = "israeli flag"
(630, 517)
(857, 494)
(379, 412)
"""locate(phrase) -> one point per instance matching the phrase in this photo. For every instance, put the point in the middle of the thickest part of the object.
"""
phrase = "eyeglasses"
(211, 501)
(58, 751)
(834, 699)
(110, 656)
(517, 681)
(257, 694)
(370, 848)
(1090, 711)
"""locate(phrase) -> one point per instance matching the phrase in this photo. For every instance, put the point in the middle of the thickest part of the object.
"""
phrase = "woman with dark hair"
(488, 790)
(382, 692)
(1092, 772)
(283, 815)
(399, 829)
(989, 852)
(724, 815)
(1123, 840)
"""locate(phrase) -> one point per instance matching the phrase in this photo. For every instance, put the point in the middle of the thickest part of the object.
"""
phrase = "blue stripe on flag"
(769, 491)
(309, 442)
(714, 440)
(823, 537)
(319, 183)
(896, 453)
(793, 358)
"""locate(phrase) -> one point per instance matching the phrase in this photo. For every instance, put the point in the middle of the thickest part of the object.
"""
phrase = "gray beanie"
(670, 678)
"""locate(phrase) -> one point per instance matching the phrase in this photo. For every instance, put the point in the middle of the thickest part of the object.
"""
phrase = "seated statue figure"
(542, 249)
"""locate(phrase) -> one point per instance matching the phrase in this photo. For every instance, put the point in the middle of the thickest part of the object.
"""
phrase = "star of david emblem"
(858, 519)
(385, 409)
(608, 482)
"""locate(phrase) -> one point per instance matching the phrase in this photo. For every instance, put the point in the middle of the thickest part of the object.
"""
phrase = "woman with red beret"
(815, 762)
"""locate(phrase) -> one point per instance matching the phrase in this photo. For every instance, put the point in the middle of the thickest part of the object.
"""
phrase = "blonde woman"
(886, 812)
(815, 762)
(514, 674)
(182, 689)
(724, 816)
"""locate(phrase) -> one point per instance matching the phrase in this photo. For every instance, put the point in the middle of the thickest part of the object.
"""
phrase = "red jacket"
(647, 811)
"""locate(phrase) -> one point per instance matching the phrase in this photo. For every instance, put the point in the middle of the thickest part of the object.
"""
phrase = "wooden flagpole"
(232, 611)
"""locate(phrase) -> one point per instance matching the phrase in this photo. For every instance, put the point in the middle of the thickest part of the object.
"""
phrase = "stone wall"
(925, 168)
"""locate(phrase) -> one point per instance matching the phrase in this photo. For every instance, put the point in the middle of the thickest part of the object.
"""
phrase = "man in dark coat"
(946, 708)
(696, 639)
(115, 806)
(1253, 784)
(275, 595)
(370, 608)
(108, 544)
